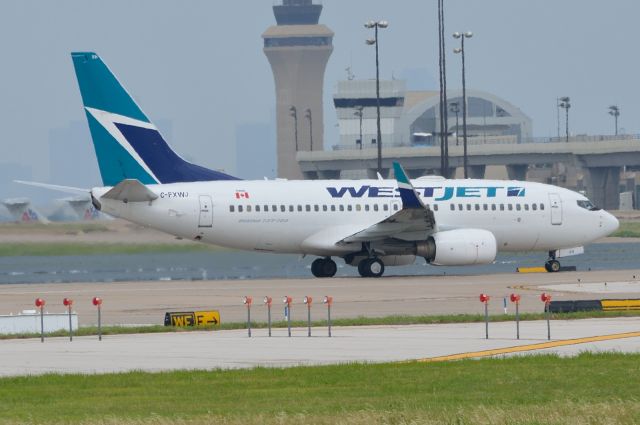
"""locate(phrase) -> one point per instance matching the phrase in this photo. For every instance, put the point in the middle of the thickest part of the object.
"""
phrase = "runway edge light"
(68, 302)
(327, 300)
(97, 301)
(267, 301)
(515, 298)
(484, 298)
(40, 304)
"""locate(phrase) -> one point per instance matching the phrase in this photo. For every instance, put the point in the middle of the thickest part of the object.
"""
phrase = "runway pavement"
(233, 349)
(146, 302)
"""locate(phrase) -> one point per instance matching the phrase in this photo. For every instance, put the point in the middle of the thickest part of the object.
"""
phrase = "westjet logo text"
(435, 193)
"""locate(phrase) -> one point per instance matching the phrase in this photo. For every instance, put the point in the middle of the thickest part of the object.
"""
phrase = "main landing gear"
(552, 265)
(324, 267)
(371, 267)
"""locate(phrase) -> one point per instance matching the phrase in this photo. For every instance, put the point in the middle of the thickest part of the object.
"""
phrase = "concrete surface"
(146, 302)
(233, 349)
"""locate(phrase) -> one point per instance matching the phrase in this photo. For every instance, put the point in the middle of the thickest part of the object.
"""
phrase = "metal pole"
(464, 112)
(457, 131)
(99, 324)
(486, 320)
(249, 320)
(517, 320)
(70, 326)
(548, 311)
(567, 121)
(329, 318)
(558, 114)
(445, 110)
(41, 324)
(379, 141)
(361, 113)
(308, 320)
(289, 319)
(269, 317)
(616, 117)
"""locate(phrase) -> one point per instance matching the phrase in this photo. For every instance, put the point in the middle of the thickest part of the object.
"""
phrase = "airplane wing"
(413, 218)
(65, 189)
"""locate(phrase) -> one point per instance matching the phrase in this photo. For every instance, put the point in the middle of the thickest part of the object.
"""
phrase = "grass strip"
(357, 321)
(77, 248)
(628, 230)
(538, 389)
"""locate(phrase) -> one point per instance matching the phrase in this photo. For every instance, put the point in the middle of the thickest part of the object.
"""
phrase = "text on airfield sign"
(192, 318)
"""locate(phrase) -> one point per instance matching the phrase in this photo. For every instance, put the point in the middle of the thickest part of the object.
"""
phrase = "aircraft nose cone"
(609, 223)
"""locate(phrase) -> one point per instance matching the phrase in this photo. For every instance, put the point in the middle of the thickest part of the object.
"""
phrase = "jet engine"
(459, 247)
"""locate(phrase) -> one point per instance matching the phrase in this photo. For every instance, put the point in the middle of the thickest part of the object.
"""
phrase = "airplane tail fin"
(127, 144)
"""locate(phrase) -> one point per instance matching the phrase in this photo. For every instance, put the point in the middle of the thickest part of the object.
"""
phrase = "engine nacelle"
(460, 247)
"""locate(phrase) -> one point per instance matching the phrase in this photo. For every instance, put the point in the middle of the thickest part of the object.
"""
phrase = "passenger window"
(435, 207)
(468, 207)
(526, 207)
(485, 207)
(534, 206)
(257, 208)
(290, 208)
(333, 207)
(518, 207)
(460, 207)
(283, 208)
(307, 207)
(452, 207)
(341, 207)
(501, 207)
(266, 208)
(239, 208)
(349, 208)
(395, 207)
(300, 208)
(274, 208)
(477, 207)
(375, 207)
(366, 207)
(493, 207)
(542, 207)
(316, 208)
(324, 208)
(248, 208)
(385, 207)
(510, 207)
(358, 207)
(231, 208)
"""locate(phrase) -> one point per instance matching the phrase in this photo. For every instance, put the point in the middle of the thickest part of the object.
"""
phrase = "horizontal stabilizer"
(130, 190)
(65, 189)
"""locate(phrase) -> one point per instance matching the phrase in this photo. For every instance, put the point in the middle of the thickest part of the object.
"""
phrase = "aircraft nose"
(609, 223)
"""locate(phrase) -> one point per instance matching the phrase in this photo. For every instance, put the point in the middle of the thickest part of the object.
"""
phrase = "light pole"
(460, 50)
(307, 114)
(614, 111)
(565, 103)
(294, 113)
(358, 113)
(374, 41)
(453, 107)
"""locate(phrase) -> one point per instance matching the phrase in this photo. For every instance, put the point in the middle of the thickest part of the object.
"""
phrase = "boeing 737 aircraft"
(370, 224)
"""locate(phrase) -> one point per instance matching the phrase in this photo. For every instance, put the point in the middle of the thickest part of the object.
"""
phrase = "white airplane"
(368, 223)
(22, 211)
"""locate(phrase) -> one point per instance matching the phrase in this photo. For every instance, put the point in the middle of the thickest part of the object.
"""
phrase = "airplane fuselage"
(308, 217)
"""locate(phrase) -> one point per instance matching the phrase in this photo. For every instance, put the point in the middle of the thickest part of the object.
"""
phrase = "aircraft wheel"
(552, 266)
(324, 267)
(371, 267)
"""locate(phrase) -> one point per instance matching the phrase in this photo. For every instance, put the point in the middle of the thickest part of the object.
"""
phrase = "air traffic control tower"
(298, 49)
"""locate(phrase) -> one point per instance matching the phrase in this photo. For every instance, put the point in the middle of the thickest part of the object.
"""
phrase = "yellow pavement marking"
(531, 270)
(530, 347)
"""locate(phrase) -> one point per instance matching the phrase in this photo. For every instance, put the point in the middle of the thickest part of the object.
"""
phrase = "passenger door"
(206, 211)
(556, 208)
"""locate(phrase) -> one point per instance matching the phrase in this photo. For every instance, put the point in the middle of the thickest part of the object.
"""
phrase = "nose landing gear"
(324, 267)
(552, 265)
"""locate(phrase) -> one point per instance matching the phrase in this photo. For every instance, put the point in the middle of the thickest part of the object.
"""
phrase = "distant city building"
(298, 49)
(255, 151)
(409, 118)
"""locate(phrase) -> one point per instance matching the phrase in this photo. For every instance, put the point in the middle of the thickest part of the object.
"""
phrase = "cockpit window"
(587, 205)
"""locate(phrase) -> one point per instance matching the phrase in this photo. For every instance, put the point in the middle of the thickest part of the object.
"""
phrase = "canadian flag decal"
(242, 194)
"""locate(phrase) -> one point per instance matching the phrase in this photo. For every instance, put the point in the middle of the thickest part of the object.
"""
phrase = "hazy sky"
(199, 63)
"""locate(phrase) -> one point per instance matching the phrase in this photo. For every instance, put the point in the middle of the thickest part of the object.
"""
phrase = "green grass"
(587, 389)
(56, 228)
(357, 321)
(628, 230)
(77, 248)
